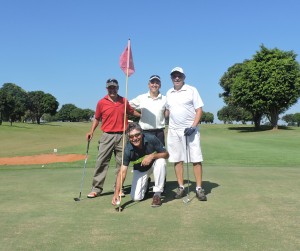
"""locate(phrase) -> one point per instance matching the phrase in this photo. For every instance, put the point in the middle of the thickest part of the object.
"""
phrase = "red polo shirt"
(112, 114)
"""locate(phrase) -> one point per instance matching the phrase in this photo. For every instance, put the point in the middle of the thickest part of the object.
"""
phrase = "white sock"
(157, 193)
(198, 188)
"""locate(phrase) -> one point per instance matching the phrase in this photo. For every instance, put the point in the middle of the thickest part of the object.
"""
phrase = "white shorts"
(176, 142)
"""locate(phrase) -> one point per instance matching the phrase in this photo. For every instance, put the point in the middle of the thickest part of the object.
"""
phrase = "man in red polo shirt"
(110, 110)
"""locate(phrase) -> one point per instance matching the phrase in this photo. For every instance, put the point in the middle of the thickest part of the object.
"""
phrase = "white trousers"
(140, 180)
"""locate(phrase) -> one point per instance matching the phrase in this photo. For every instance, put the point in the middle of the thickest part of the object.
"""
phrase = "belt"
(154, 130)
(114, 132)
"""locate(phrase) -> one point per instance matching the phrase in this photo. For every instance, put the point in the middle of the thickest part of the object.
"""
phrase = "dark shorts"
(159, 133)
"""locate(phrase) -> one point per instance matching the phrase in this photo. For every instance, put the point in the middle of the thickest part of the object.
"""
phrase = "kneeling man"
(148, 156)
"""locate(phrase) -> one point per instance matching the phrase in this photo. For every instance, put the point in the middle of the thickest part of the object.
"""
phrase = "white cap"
(177, 69)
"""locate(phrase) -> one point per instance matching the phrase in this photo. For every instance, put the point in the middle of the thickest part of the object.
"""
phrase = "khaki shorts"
(176, 143)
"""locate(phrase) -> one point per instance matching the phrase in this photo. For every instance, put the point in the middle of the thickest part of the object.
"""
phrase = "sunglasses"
(176, 76)
(132, 136)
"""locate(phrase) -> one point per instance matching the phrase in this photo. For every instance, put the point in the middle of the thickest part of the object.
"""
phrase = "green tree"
(227, 81)
(64, 114)
(13, 102)
(297, 118)
(279, 80)
(87, 114)
(268, 84)
(289, 118)
(207, 117)
(76, 115)
(2, 104)
(233, 75)
(40, 103)
(231, 113)
(224, 115)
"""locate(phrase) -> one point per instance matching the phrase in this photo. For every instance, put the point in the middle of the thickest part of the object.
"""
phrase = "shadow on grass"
(171, 187)
(16, 126)
(168, 194)
(261, 129)
(24, 125)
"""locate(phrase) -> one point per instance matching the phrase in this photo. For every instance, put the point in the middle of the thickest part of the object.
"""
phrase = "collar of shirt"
(158, 97)
(183, 88)
(118, 98)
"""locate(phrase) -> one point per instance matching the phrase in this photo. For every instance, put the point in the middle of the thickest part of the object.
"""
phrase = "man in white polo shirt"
(184, 108)
(152, 105)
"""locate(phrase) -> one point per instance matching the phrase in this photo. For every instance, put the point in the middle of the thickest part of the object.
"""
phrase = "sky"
(69, 48)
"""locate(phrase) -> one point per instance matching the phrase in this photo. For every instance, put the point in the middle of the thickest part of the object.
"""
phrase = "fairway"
(251, 179)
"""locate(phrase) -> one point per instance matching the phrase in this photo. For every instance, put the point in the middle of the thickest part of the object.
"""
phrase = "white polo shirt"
(182, 105)
(152, 110)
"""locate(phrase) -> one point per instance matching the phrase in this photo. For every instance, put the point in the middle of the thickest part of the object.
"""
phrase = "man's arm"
(123, 172)
(148, 158)
(89, 135)
(136, 114)
(198, 116)
(167, 113)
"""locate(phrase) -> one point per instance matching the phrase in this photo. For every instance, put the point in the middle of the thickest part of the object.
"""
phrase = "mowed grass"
(252, 181)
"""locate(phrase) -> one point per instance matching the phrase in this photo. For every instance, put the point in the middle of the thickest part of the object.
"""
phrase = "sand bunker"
(41, 159)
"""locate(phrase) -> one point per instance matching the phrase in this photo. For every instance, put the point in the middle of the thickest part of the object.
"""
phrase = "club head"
(186, 199)
(76, 199)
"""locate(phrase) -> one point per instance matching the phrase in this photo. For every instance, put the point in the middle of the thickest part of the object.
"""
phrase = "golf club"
(186, 199)
(84, 168)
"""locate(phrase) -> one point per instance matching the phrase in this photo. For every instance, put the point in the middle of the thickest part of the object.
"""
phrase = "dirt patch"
(41, 159)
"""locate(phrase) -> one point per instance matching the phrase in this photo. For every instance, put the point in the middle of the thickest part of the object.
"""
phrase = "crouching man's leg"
(159, 173)
(139, 185)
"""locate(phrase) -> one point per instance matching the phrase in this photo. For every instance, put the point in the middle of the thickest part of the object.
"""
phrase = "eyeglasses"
(132, 136)
(176, 76)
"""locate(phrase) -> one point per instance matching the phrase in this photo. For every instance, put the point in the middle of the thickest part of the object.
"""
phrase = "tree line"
(266, 85)
(17, 105)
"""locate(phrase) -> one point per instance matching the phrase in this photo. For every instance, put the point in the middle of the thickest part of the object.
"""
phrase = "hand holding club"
(189, 131)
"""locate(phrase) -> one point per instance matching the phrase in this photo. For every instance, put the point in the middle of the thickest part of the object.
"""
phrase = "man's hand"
(115, 201)
(147, 160)
(89, 136)
(189, 131)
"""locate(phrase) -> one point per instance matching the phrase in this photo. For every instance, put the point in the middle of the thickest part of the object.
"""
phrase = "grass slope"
(252, 181)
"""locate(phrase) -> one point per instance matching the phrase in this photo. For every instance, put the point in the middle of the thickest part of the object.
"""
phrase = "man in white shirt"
(184, 107)
(152, 105)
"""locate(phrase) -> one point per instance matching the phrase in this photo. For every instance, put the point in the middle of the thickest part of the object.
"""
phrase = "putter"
(186, 199)
(84, 168)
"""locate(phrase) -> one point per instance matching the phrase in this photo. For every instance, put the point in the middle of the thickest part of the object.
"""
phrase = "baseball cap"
(112, 82)
(154, 77)
(177, 69)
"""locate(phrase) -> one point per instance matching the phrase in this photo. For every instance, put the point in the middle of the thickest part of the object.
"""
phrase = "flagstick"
(124, 124)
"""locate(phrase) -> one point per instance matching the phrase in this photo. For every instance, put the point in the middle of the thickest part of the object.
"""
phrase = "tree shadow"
(16, 126)
(260, 129)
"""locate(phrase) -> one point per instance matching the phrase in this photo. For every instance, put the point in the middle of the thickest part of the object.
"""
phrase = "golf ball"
(118, 203)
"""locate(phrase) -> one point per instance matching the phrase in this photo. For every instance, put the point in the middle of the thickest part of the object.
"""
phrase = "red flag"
(126, 61)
